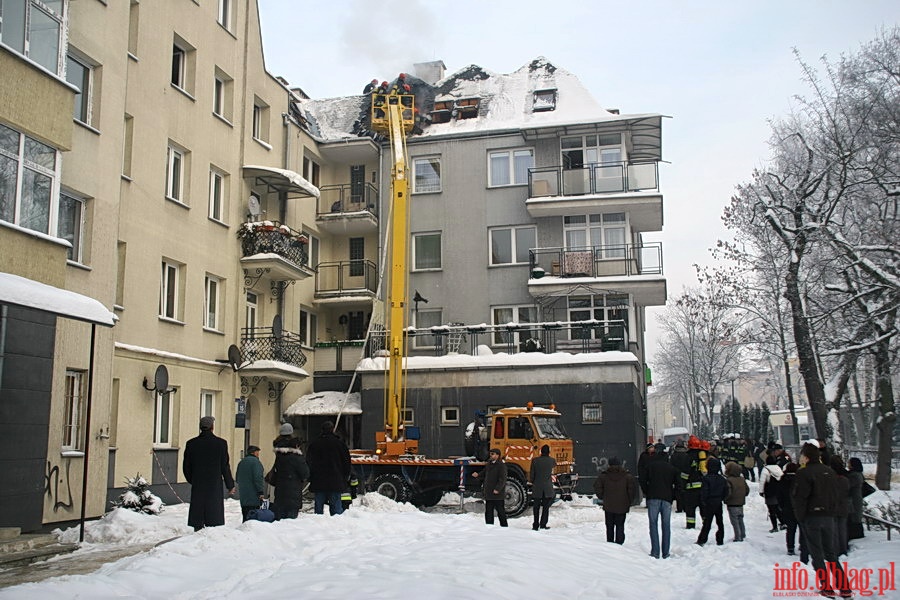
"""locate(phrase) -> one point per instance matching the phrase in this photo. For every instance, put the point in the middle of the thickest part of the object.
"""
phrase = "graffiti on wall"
(58, 488)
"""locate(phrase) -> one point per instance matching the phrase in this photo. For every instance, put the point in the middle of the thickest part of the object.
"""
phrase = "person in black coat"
(540, 476)
(291, 471)
(329, 469)
(660, 480)
(206, 466)
(713, 492)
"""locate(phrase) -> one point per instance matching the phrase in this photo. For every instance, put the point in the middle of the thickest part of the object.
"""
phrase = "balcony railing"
(271, 237)
(348, 198)
(264, 343)
(557, 336)
(346, 277)
(606, 178)
(597, 261)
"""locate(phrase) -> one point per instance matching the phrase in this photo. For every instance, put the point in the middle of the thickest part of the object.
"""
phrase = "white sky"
(720, 69)
(383, 550)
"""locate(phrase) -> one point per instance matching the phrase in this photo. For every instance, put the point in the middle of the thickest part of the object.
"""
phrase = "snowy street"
(379, 549)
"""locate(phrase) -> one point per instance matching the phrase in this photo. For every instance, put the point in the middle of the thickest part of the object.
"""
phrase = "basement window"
(544, 100)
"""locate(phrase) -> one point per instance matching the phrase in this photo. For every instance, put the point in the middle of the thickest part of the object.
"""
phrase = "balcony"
(273, 251)
(628, 268)
(338, 356)
(631, 187)
(348, 209)
(346, 281)
(273, 354)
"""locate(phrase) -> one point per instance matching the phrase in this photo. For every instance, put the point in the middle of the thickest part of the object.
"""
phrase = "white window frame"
(587, 410)
(309, 322)
(212, 305)
(510, 158)
(599, 309)
(224, 14)
(219, 96)
(25, 146)
(170, 291)
(543, 100)
(29, 44)
(260, 121)
(163, 409)
(513, 240)
(76, 238)
(251, 315)
(208, 403)
(422, 161)
(408, 416)
(73, 415)
(85, 84)
(516, 313)
(312, 253)
(179, 67)
(595, 232)
(218, 183)
(415, 257)
(446, 415)
(176, 166)
(426, 340)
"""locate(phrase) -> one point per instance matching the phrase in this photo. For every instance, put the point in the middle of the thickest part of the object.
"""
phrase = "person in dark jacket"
(713, 491)
(206, 466)
(770, 484)
(736, 498)
(682, 461)
(786, 509)
(250, 483)
(642, 464)
(843, 505)
(692, 468)
(540, 475)
(329, 469)
(854, 517)
(494, 492)
(616, 487)
(660, 481)
(815, 503)
(291, 471)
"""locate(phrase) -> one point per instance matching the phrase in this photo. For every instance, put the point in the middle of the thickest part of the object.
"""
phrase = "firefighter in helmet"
(692, 468)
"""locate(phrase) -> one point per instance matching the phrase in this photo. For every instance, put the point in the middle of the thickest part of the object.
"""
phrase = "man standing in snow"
(250, 482)
(329, 470)
(540, 475)
(616, 488)
(205, 467)
(494, 476)
(660, 481)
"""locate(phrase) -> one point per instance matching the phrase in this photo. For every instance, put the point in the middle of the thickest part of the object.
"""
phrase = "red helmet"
(694, 442)
(384, 84)
(375, 81)
(402, 76)
(704, 445)
(406, 87)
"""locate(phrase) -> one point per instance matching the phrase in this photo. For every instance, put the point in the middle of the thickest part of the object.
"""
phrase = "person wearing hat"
(540, 476)
(616, 488)
(329, 468)
(643, 462)
(660, 482)
(250, 483)
(290, 471)
(206, 466)
(494, 488)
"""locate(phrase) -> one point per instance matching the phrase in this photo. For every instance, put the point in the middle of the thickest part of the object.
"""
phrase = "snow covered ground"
(379, 549)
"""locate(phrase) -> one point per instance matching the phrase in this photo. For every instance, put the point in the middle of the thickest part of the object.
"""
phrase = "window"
(510, 167)
(73, 423)
(80, 74)
(579, 151)
(169, 296)
(603, 233)
(610, 309)
(426, 175)
(128, 145)
(261, 121)
(223, 95)
(224, 17)
(544, 100)
(425, 319)
(134, 13)
(408, 416)
(70, 224)
(311, 170)
(34, 29)
(357, 256)
(426, 251)
(213, 294)
(312, 255)
(510, 245)
(207, 403)
(28, 180)
(175, 174)
(219, 97)
(502, 315)
(449, 415)
(308, 328)
(162, 420)
(217, 194)
(592, 413)
(179, 66)
(252, 311)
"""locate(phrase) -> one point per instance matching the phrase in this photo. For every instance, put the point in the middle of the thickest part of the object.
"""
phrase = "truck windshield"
(549, 428)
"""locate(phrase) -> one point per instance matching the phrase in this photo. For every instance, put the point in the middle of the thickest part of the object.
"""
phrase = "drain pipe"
(87, 431)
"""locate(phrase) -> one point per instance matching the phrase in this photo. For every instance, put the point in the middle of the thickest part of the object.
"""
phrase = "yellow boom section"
(393, 114)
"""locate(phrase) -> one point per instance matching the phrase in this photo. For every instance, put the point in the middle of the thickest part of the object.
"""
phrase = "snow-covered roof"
(65, 303)
(488, 359)
(282, 179)
(326, 403)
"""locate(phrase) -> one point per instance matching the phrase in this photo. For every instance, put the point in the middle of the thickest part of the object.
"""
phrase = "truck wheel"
(428, 497)
(516, 498)
(392, 486)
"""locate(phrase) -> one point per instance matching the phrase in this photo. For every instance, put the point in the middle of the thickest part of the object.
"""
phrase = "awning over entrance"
(281, 180)
(40, 296)
(326, 403)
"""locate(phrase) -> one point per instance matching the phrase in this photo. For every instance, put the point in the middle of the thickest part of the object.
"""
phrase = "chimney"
(430, 72)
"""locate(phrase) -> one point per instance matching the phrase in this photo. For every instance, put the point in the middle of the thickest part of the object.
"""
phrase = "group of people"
(206, 467)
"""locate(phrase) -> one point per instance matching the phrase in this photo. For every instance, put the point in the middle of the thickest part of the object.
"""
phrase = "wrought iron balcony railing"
(597, 261)
(348, 198)
(346, 277)
(271, 237)
(264, 343)
(606, 178)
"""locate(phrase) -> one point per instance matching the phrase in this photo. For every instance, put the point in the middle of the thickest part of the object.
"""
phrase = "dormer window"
(442, 112)
(446, 110)
(544, 100)
(467, 108)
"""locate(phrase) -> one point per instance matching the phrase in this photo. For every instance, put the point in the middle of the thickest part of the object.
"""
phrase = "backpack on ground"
(262, 513)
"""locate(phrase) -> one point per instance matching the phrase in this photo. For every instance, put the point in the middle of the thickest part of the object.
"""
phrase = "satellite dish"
(161, 379)
(234, 357)
(253, 206)
(276, 327)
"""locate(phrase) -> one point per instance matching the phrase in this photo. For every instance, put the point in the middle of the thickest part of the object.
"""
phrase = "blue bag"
(262, 513)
